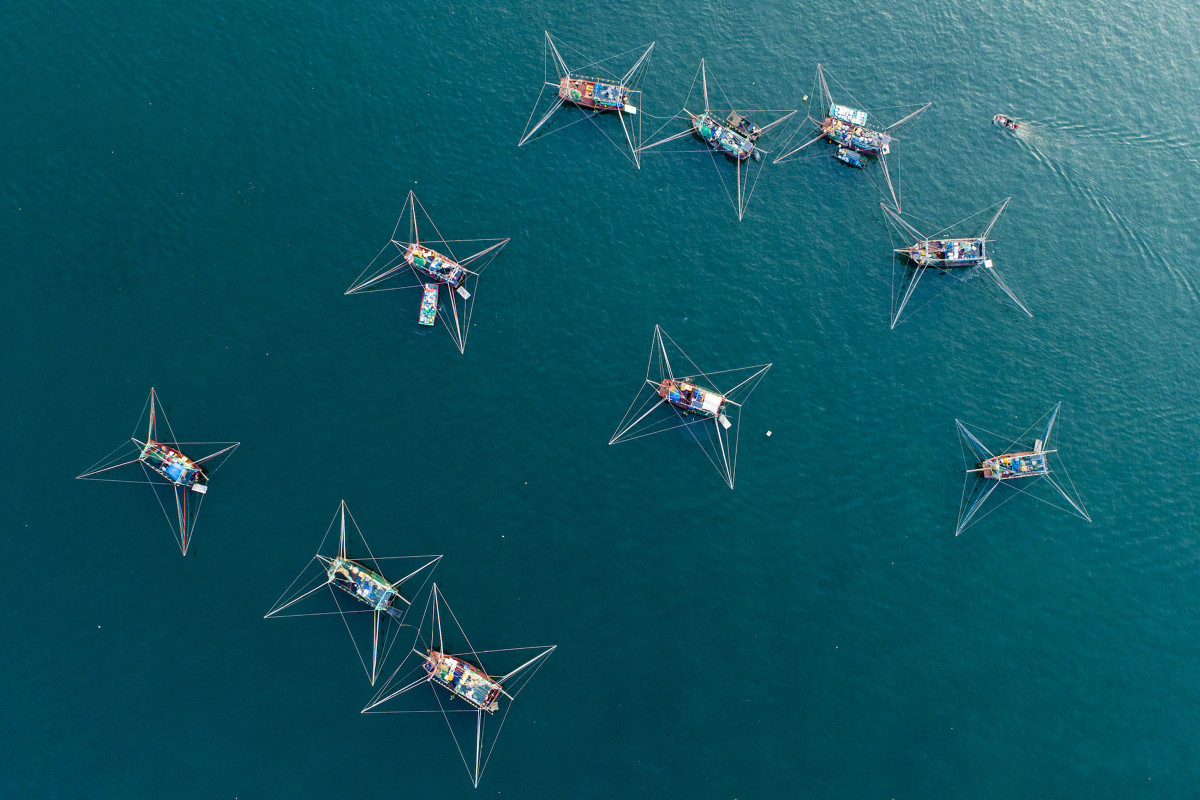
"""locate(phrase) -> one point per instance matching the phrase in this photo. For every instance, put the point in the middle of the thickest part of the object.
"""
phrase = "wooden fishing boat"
(1005, 467)
(429, 302)
(174, 466)
(970, 252)
(690, 398)
(595, 95)
(364, 584)
(847, 127)
(723, 138)
(463, 680)
(435, 265)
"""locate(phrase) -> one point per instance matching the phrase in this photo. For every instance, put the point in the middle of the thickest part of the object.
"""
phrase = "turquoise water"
(189, 190)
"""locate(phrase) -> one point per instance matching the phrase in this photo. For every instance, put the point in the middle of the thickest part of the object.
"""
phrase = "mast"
(342, 537)
(150, 433)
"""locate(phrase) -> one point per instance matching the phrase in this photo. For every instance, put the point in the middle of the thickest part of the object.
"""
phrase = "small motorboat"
(1002, 121)
(848, 156)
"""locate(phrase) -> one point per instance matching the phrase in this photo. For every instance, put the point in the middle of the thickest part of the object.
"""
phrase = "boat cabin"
(365, 584)
(690, 398)
(591, 93)
(852, 116)
(948, 253)
(723, 139)
(435, 265)
(742, 125)
(464, 680)
(173, 465)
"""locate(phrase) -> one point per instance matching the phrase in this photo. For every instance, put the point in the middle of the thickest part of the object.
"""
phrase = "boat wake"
(1070, 151)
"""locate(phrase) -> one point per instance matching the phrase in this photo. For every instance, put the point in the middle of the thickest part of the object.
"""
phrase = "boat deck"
(1015, 465)
(435, 265)
(428, 313)
(170, 463)
(594, 94)
(855, 137)
(948, 252)
(463, 679)
(743, 126)
(691, 399)
(366, 585)
(722, 139)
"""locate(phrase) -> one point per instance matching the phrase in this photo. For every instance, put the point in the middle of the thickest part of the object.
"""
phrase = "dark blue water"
(188, 192)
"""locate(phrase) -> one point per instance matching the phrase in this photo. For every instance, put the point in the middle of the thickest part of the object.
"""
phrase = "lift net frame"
(411, 690)
(651, 414)
(373, 632)
(906, 274)
(747, 171)
(613, 70)
(389, 271)
(180, 505)
(809, 134)
(1053, 487)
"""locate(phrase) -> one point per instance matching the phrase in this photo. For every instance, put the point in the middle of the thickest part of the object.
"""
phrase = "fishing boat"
(847, 127)
(727, 131)
(176, 478)
(614, 85)
(1000, 462)
(851, 128)
(435, 265)
(1002, 121)
(947, 252)
(711, 416)
(374, 618)
(365, 585)
(463, 680)
(429, 304)
(595, 95)
(174, 466)
(442, 660)
(724, 138)
(850, 157)
(690, 398)
(1016, 465)
(920, 253)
